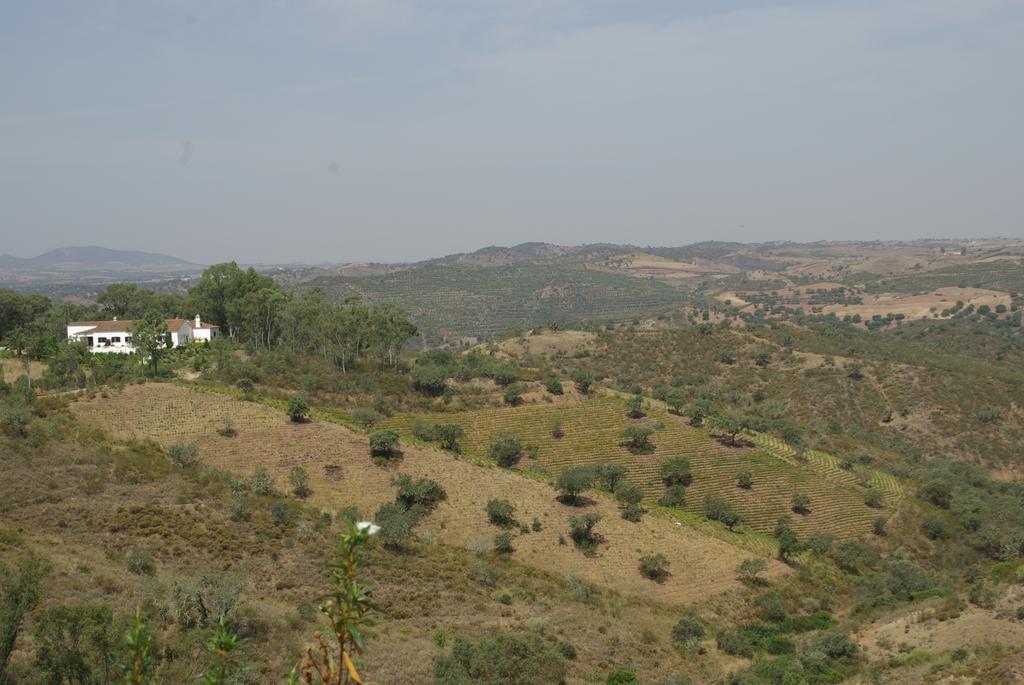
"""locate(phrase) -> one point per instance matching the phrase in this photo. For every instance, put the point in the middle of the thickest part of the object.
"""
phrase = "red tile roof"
(123, 326)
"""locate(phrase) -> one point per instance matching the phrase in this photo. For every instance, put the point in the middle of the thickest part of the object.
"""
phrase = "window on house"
(116, 339)
(88, 340)
(128, 339)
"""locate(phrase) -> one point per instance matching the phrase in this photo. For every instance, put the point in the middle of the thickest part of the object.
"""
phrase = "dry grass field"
(342, 474)
(84, 504)
(13, 369)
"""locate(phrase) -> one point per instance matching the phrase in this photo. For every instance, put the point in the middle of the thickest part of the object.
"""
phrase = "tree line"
(250, 308)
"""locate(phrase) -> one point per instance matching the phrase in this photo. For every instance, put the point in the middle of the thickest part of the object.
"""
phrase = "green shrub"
(422, 492)
(935, 528)
(280, 514)
(635, 407)
(396, 523)
(513, 394)
(771, 607)
(503, 543)
(383, 443)
(501, 512)
(654, 567)
(689, 630)
(745, 480)
(734, 644)
(299, 480)
(262, 483)
(676, 471)
(622, 676)
(366, 417)
(801, 504)
(674, 496)
(581, 530)
(139, 562)
(553, 385)
(430, 379)
(749, 569)
(182, 455)
(298, 408)
(637, 438)
(506, 449)
(873, 498)
(501, 659)
(717, 509)
(610, 475)
(14, 421)
(573, 481)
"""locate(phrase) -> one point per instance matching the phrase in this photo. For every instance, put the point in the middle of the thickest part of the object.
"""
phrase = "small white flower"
(371, 528)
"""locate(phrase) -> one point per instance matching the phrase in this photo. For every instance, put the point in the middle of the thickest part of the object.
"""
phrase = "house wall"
(115, 341)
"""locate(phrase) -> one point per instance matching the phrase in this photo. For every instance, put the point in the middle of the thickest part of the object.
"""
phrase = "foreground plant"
(330, 661)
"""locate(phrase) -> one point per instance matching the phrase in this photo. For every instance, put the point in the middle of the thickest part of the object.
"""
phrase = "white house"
(116, 336)
(204, 331)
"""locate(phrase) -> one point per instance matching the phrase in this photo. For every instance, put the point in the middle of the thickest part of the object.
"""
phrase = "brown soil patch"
(974, 627)
(549, 343)
(919, 306)
(342, 474)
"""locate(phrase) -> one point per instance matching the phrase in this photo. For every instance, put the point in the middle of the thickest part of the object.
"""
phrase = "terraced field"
(591, 430)
(341, 474)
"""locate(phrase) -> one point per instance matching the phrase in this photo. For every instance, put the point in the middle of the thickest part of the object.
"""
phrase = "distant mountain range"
(95, 258)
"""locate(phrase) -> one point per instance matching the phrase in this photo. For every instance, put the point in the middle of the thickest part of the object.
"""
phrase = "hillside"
(450, 303)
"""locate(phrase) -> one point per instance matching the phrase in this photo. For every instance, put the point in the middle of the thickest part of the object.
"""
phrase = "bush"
(299, 480)
(676, 471)
(506, 449)
(873, 498)
(139, 563)
(366, 417)
(262, 483)
(749, 569)
(182, 455)
(583, 381)
(573, 481)
(383, 443)
(674, 496)
(396, 523)
(622, 676)
(448, 436)
(801, 504)
(717, 509)
(14, 421)
(745, 480)
(637, 438)
(878, 525)
(581, 530)
(503, 543)
(553, 385)
(734, 644)
(610, 475)
(501, 512)
(280, 514)
(423, 492)
(298, 408)
(635, 407)
(199, 602)
(501, 659)
(654, 567)
(688, 630)
(935, 528)
(567, 650)
(430, 379)
(771, 607)
(513, 394)
(556, 429)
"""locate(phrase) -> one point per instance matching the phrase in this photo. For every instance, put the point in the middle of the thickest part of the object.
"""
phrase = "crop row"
(591, 434)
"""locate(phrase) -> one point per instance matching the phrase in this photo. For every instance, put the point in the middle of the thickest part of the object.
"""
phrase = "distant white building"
(116, 336)
(204, 331)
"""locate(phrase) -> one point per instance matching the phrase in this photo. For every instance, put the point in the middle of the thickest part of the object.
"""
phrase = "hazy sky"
(334, 130)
